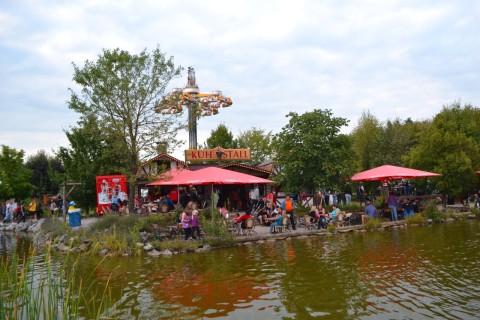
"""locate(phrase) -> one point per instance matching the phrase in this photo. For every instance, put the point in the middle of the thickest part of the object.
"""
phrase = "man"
(370, 211)
(392, 204)
(254, 197)
(361, 193)
(34, 207)
(289, 206)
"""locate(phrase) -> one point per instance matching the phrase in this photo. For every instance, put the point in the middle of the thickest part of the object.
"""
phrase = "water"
(419, 273)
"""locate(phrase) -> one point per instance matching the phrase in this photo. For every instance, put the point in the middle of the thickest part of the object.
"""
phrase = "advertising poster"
(109, 187)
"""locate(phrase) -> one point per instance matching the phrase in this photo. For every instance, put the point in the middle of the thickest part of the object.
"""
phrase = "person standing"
(33, 207)
(195, 224)
(361, 193)
(392, 204)
(187, 224)
(289, 206)
(21, 212)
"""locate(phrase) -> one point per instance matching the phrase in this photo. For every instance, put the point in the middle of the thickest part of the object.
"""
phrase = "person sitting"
(314, 214)
(243, 219)
(278, 221)
(408, 208)
(263, 216)
(224, 213)
(334, 214)
(370, 212)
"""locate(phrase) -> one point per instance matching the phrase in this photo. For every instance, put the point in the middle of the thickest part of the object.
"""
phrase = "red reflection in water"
(207, 291)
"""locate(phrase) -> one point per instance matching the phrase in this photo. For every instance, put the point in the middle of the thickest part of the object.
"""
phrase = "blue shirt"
(370, 210)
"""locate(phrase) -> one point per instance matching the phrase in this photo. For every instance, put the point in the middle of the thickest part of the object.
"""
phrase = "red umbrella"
(388, 172)
(168, 176)
(210, 175)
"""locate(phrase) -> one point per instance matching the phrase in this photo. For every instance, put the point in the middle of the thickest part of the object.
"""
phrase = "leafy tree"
(259, 143)
(310, 151)
(44, 168)
(221, 137)
(450, 145)
(14, 176)
(365, 138)
(89, 155)
(121, 90)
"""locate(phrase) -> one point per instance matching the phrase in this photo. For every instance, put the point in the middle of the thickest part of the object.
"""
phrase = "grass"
(331, 228)
(44, 290)
(372, 223)
(416, 219)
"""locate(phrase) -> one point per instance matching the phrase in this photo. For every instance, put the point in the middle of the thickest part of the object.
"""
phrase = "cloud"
(394, 58)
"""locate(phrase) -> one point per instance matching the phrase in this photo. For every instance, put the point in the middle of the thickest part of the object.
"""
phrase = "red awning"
(388, 172)
(210, 175)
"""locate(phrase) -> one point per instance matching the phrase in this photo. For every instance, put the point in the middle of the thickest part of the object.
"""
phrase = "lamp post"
(198, 104)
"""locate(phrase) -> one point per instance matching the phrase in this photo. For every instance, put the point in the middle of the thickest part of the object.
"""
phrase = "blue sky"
(392, 58)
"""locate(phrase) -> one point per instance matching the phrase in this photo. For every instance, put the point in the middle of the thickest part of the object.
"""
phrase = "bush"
(372, 223)
(379, 202)
(352, 207)
(432, 212)
(475, 211)
(55, 227)
(331, 228)
(415, 219)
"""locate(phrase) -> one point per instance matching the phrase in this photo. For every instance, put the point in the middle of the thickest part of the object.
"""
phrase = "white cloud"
(394, 58)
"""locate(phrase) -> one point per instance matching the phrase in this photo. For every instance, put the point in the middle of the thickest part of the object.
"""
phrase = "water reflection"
(427, 273)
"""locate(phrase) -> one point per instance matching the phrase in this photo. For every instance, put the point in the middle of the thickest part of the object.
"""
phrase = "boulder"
(148, 247)
(153, 253)
(166, 253)
(103, 252)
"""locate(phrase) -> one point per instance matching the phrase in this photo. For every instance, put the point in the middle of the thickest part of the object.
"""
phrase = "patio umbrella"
(388, 172)
(210, 175)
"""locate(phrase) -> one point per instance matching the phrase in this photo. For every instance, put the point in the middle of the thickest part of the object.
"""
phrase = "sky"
(394, 59)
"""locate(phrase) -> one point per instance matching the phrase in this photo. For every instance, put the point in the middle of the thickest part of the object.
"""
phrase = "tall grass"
(46, 290)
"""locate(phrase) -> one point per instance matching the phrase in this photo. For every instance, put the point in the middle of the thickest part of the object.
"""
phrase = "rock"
(83, 247)
(103, 252)
(345, 230)
(39, 240)
(62, 247)
(34, 228)
(153, 253)
(148, 247)
(75, 250)
(471, 216)
(429, 221)
(62, 238)
(139, 245)
(449, 220)
(125, 254)
(166, 253)
(207, 247)
(144, 236)
(11, 227)
(190, 250)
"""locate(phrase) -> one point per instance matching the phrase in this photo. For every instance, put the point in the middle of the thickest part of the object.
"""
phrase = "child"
(195, 224)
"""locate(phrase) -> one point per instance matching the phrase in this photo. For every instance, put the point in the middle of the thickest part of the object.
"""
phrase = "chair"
(249, 227)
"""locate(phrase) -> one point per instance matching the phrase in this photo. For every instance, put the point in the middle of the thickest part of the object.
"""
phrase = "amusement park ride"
(198, 104)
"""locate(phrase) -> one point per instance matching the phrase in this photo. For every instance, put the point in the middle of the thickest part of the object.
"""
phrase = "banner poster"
(109, 187)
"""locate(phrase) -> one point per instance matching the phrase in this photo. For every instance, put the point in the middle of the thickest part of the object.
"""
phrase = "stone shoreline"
(262, 234)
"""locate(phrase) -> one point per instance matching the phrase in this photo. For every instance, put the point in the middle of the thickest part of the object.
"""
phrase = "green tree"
(88, 156)
(310, 151)
(121, 90)
(221, 137)
(259, 143)
(44, 167)
(365, 138)
(450, 145)
(14, 176)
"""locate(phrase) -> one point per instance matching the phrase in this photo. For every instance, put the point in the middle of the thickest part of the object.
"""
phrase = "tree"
(14, 176)
(365, 137)
(89, 155)
(44, 169)
(221, 137)
(121, 90)
(450, 145)
(310, 151)
(259, 143)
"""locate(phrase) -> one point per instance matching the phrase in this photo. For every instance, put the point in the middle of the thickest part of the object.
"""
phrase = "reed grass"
(32, 289)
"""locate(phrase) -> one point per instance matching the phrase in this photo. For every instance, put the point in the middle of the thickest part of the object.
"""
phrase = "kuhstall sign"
(217, 154)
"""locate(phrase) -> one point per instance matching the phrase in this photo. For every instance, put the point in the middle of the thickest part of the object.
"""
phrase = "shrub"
(475, 211)
(415, 219)
(372, 223)
(55, 227)
(450, 214)
(432, 212)
(331, 228)
(379, 202)
(352, 207)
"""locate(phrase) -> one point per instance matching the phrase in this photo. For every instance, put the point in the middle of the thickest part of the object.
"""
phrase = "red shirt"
(173, 194)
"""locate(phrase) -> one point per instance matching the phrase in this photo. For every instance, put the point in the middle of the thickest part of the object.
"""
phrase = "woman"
(323, 217)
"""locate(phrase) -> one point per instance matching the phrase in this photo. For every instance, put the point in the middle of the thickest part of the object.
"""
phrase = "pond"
(423, 272)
